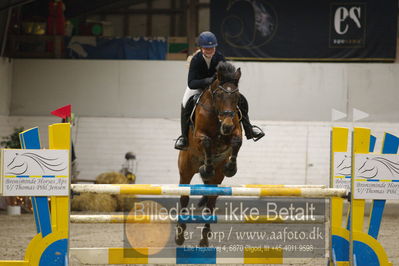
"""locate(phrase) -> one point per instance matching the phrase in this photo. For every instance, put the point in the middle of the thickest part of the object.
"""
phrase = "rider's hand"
(208, 81)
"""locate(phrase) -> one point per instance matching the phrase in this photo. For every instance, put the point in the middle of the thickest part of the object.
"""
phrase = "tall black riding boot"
(182, 141)
(251, 132)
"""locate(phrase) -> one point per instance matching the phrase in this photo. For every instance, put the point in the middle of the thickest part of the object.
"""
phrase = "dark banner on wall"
(306, 30)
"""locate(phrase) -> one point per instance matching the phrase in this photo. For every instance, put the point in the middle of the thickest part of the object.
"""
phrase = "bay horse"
(214, 140)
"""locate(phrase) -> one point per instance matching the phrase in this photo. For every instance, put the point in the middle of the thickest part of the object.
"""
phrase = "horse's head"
(225, 96)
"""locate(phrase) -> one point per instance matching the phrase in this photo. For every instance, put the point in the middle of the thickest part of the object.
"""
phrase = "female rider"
(201, 74)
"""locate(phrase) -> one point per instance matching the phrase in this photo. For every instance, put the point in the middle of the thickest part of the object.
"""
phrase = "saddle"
(192, 103)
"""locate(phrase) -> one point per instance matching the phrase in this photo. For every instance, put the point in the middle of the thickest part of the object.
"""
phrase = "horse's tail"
(203, 201)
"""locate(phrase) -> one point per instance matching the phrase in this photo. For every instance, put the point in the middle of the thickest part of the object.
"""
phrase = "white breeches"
(187, 94)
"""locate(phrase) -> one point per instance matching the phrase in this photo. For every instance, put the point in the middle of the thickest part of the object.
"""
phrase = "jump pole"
(137, 189)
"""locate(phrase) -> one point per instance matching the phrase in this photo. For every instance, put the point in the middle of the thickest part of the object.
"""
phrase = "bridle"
(220, 87)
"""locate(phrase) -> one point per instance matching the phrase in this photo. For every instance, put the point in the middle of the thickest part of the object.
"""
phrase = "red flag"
(63, 112)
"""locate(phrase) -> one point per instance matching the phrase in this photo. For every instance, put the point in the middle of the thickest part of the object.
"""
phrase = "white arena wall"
(153, 89)
(290, 153)
(5, 85)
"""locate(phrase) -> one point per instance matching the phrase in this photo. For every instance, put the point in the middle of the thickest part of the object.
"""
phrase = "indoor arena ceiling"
(74, 9)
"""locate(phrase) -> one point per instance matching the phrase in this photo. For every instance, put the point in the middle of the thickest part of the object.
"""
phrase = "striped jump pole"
(235, 185)
(214, 219)
(188, 190)
(240, 185)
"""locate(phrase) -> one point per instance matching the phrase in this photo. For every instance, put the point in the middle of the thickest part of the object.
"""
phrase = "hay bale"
(125, 202)
(94, 202)
(104, 202)
(111, 178)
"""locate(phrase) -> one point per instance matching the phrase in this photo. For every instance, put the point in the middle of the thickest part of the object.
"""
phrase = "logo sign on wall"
(35, 172)
(307, 30)
(348, 25)
(261, 23)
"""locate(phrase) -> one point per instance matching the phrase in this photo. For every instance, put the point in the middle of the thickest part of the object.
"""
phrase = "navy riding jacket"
(199, 72)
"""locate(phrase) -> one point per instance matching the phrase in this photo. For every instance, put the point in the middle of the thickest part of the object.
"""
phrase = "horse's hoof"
(230, 169)
(204, 243)
(204, 240)
(179, 239)
(206, 174)
(203, 201)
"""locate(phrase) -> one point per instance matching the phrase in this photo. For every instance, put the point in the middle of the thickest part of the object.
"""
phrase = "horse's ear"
(237, 75)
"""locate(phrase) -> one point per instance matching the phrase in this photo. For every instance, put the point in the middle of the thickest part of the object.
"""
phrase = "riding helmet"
(207, 40)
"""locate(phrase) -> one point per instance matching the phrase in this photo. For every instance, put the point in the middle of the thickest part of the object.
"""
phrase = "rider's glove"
(208, 81)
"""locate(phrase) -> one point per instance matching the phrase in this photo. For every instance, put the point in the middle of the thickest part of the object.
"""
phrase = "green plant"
(12, 141)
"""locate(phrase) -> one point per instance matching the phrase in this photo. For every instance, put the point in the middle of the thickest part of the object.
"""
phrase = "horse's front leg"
(207, 171)
(230, 168)
(186, 171)
(181, 227)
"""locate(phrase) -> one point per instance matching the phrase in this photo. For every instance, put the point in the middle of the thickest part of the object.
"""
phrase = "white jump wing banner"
(35, 172)
(376, 176)
(342, 170)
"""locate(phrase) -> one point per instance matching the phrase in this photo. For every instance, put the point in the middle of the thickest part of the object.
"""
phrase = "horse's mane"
(226, 70)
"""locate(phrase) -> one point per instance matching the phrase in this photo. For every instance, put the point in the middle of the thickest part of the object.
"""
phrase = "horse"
(214, 140)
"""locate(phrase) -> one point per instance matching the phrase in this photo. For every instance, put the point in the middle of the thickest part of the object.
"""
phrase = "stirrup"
(258, 136)
(181, 143)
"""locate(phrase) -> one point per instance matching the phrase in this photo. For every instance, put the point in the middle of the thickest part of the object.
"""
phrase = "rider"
(201, 74)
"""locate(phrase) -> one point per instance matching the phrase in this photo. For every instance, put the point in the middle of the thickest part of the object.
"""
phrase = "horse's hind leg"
(181, 227)
(204, 235)
(210, 205)
(186, 174)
